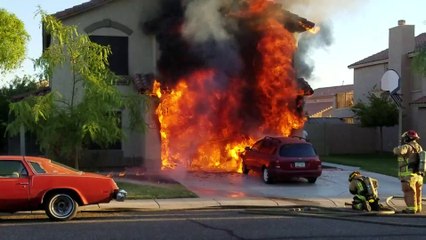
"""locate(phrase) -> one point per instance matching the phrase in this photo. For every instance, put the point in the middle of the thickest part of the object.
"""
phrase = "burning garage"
(223, 73)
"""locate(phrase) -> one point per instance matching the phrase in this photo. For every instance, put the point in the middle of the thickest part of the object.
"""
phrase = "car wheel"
(266, 176)
(245, 169)
(312, 180)
(60, 207)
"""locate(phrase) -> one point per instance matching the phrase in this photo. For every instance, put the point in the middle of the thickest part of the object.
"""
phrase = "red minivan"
(282, 158)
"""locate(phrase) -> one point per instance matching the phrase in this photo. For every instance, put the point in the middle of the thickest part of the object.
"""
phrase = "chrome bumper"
(120, 195)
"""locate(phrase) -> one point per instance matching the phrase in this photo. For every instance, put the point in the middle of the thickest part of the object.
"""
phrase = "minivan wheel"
(266, 176)
(312, 180)
(60, 207)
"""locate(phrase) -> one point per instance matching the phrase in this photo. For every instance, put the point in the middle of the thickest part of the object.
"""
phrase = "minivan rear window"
(297, 150)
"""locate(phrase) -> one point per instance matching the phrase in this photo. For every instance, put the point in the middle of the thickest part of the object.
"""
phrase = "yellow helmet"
(353, 174)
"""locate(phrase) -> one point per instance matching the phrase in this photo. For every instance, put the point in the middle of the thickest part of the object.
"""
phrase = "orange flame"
(314, 30)
(197, 129)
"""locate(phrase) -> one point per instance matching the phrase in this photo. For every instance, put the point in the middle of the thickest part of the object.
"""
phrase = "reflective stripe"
(360, 186)
(403, 170)
(360, 197)
(411, 208)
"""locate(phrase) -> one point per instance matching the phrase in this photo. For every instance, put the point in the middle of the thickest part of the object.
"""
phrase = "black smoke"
(234, 52)
(304, 64)
(204, 34)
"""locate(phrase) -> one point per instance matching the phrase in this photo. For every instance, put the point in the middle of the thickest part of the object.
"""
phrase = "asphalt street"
(240, 223)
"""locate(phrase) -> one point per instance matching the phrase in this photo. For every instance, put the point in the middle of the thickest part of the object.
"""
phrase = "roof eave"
(369, 64)
(82, 8)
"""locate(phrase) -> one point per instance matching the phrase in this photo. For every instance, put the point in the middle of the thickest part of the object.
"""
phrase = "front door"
(14, 186)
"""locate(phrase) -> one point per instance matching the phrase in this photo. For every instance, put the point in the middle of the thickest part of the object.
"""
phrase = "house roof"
(420, 41)
(314, 108)
(421, 100)
(84, 7)
(39, 92)
(322, 101)
(331, 91)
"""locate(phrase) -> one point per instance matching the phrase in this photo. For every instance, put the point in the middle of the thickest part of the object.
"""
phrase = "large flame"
(202, 125)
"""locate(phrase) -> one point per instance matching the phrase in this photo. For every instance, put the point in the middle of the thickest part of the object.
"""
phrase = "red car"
(35, 183)
(282, 158)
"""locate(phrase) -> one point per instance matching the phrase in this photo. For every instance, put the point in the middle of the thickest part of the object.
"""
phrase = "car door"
(252, 154)
(265, 155)
(14, 186)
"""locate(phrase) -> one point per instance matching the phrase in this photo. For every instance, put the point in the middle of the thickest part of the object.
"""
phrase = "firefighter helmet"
(409, 136)
(353, 175)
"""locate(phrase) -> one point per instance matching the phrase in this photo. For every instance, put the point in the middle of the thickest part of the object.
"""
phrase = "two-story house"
(368, 72)
(134, 56)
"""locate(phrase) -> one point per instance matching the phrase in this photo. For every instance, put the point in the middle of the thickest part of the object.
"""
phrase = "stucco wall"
(365, 79)
(137, 148)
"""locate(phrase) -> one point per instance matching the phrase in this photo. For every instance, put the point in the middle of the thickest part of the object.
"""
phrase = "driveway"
(331, 184)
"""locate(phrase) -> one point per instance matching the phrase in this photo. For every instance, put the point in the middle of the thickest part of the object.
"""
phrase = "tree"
(13, 41)
(379, 112)
(64, 127)
(419, 61)
(19, 85)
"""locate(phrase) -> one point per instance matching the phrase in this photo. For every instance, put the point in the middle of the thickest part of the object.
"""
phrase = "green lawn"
(155, 191)
(385, 163)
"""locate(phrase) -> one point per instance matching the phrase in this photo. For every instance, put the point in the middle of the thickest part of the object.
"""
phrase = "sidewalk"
(195, 203)
(205, 203)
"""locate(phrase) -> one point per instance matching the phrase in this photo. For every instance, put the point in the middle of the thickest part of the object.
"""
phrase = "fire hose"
(334, 213)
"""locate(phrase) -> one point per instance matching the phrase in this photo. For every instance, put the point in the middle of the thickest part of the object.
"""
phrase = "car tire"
(60, 207)
(266, 175)
(245, 169)
(312, 180)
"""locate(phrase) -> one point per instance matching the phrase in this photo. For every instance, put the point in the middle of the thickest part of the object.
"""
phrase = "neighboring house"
(118, 24)
(331, 102)
(403, 46)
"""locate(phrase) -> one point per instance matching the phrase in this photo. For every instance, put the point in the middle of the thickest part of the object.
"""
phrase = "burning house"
(224, 74)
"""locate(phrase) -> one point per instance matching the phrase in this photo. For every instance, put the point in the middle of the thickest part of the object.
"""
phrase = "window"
(344, 100)
(297, 150)
(257, 145)
(12, 169)
(119, 58)
(268, 147)
(37, 167)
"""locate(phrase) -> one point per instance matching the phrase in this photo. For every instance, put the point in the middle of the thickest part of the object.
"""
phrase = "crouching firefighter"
(365, 191)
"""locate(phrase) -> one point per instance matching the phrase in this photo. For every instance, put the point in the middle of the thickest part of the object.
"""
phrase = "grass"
(155, 191)
(384, 163)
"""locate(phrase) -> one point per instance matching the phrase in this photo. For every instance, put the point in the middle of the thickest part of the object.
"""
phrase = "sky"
(359, 29)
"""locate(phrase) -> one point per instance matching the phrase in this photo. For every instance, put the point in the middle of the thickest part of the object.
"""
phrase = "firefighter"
(408, 171)
(365, 192)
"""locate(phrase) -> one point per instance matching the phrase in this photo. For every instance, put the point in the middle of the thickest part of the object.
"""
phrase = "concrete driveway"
(331, 184)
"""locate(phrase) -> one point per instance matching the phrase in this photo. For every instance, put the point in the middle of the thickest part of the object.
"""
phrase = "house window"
(344, 100)
(119, 57)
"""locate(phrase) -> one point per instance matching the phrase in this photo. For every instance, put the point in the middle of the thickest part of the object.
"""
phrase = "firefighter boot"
(408, 211)
(366, 206)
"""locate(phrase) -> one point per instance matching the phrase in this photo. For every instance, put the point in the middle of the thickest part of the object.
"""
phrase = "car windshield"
(297, 150)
